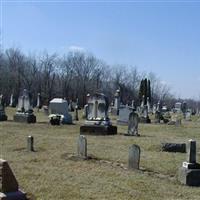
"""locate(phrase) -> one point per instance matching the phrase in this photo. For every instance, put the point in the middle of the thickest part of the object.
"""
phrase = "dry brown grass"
(49, 174)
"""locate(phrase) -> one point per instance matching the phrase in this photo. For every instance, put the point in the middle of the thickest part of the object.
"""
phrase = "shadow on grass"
(73, 157)
(23, 149)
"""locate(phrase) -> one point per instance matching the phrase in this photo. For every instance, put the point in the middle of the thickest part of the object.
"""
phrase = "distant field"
(49, 174)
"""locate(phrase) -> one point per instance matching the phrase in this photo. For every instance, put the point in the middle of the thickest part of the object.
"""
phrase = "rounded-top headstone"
(134, 157)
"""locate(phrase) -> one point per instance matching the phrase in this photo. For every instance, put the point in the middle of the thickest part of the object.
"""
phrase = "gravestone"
(184, 109)
(142, 103)
(39, 105)
(148, 105)
(98, 122)
(189, 173)
(134, 157)
(30, 143)
(59, 112)
(124, 113)
(71, 106)
(115, 108)
(24, 109)
(133, 124)
(12, 103)
(3, 116)
(82, 147)
(178, 106)
(76, 113)
(178, 122)
(85, 111)
(144, 117)
(188, 116)
(174, 147)
(9, 189)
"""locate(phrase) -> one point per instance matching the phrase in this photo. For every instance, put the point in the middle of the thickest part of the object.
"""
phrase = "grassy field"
(50, 173)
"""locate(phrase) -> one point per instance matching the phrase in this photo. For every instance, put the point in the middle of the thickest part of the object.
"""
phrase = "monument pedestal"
(98, 130)
(19, 195)
(24, 117)
(190, 177)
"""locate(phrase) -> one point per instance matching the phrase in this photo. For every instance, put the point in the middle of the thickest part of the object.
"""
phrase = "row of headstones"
(189, 172)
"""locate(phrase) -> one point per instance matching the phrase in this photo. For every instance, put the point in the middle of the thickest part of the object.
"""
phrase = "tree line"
(73, 76)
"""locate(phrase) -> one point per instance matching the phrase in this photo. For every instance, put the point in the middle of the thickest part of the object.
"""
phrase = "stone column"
(76, 113)
(30, 143)
(191, 151)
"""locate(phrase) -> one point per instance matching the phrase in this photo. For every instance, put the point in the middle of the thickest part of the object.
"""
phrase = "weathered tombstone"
(115, 108)
(178, 122)
(189, 173)
(70, 107)
(148, 105)
(184, 109)
(9, 189)
(85, 111)
(154, 109)
(77, 104)
(11, 104)
(144, 117)
(133, 104)
(142, 103)
(134, 157)
(124, 113)
(82, 146)
(98, 122)
(30, 143)
(188, 116)
(24, 109)
(161, 114)
(3, 116)
(59, 112)
(76, 113)
(133, 124)
(174, 147)
(178, 106)
(39, 105)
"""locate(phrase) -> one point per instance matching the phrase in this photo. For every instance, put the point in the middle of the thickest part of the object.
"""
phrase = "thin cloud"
(76, 48)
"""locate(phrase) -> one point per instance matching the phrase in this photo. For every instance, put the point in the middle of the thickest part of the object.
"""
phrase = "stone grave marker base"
(98, 130)
(190, 177)
(19, 195)
(27, 118)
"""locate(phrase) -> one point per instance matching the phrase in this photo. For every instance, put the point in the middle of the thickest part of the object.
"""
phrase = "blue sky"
(155, 36)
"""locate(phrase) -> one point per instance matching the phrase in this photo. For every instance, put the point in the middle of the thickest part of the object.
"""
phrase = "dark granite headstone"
(189, 173)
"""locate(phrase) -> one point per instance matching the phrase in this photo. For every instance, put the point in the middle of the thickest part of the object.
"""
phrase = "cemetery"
(82, 166)
(99, 100)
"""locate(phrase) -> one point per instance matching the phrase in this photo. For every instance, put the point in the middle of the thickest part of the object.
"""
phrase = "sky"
(162, 37)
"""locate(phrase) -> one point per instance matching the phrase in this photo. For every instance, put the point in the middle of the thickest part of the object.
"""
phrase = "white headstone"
(82, 146)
